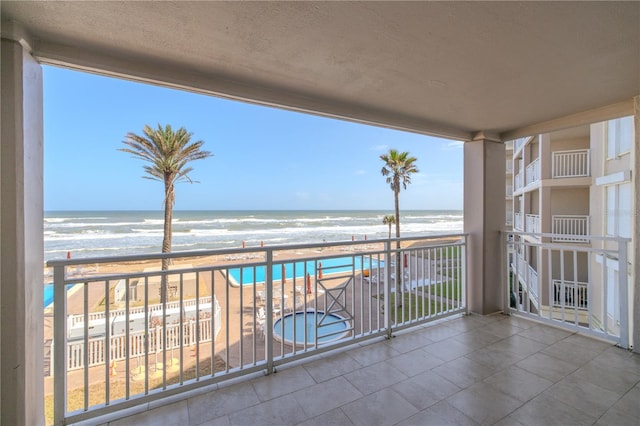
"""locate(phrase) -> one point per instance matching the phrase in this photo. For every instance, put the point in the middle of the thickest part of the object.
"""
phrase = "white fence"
(570, 285)
(518, 222)
(136, 344)
(532, 172)
(532, 223)
(574, 163)
(571, 294)
(518, 181)
(570, 228)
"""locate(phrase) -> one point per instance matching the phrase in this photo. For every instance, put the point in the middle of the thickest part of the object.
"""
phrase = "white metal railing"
(509, 166)
(518, 223)
(532, 284)
(519, 143)
(251, 299)
(571, 294)
(532, 224)
(570, 228)
(532, 172)
(509, 191)
(509, 218)
(518, 181)
(576, 287)
(574, 163)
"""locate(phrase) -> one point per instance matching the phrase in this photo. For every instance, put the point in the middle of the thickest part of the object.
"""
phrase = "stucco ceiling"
(443, 68)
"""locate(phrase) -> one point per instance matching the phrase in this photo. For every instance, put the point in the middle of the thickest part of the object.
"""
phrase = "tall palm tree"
(168, 153)
(398, 167)
(389, 219)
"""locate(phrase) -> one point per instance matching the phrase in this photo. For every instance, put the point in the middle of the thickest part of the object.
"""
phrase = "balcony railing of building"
(509, 166)
(518, 223)
(532, 224)
(570, 228)
(532, 172)
(509, 191)
(566, 164)
(124, 335)
(572, 294)
(518, 181)
(563, 298)
(519, 143)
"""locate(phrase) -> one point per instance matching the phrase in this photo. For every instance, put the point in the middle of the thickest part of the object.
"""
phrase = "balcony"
(570, 228)
(518, 222)
(532, 172)
(568, 164)
(461, 370)
(129, 333)
(532, 224)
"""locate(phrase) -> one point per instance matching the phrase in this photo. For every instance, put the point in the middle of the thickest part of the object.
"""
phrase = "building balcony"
(518, 223)
(532, 224)
(570, 228)
(228, 317)
(532, 172)
(570, 164)
(126, 332)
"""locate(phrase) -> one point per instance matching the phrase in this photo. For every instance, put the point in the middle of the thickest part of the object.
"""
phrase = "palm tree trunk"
(399, 293)
(166, 240)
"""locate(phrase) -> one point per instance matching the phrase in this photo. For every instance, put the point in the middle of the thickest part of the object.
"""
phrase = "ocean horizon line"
(249, 210)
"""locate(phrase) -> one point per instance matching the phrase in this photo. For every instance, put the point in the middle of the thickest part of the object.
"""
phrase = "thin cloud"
(360, 172)
(380, 148)
(453, 145)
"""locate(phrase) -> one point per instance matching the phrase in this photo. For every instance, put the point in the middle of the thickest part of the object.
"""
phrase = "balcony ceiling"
(441, 68)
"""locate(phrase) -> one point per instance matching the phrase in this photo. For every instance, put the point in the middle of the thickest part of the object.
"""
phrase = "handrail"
(425, 275)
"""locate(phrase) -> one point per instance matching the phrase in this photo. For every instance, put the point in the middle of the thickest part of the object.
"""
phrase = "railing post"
(465, 290)
(268, 281)
(624, 294)
(59, 345)
(386, 301)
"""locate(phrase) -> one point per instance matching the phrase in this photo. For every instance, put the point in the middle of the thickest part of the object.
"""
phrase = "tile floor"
(471, 370)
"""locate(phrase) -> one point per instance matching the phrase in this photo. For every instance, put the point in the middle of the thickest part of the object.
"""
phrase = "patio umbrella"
(319, 269)
(308, 284)
(243, 244)
(284, 274)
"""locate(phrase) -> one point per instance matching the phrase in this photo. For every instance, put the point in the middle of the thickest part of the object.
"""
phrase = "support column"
(484, 217)
(635, 259)
(21, 227)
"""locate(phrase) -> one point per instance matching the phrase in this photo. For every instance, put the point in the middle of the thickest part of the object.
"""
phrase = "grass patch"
(117, 388)
(417, 304)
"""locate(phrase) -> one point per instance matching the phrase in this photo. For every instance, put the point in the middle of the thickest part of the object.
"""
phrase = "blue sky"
(264, 158)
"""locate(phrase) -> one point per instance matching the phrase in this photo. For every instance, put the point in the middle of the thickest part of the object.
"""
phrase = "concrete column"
(635, 276)
(484, 217)
(21, 227)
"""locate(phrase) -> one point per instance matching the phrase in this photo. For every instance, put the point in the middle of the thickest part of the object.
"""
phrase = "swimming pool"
(329, 266)
(331, 327)
(48, 293)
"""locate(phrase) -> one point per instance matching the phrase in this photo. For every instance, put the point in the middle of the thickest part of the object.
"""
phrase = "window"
(620, 135)
(618, 210)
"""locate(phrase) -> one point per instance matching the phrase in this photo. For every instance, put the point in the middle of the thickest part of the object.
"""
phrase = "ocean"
(87, 234)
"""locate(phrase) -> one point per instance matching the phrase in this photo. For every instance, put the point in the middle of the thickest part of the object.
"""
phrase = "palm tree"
(398, 168)
(168, 153)
(389, 219)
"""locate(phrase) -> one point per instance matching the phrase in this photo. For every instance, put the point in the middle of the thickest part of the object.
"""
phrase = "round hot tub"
(331, 327)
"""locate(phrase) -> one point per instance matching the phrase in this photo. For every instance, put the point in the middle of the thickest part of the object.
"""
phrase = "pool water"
(48, 293)
(329, 266)
(328, 330)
